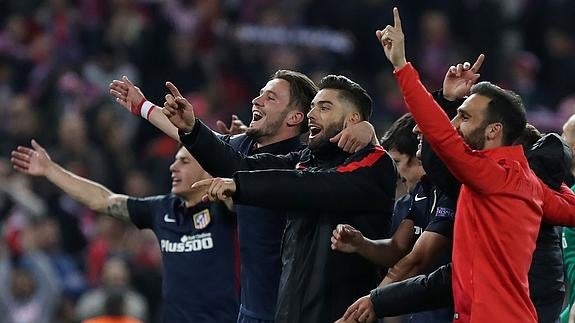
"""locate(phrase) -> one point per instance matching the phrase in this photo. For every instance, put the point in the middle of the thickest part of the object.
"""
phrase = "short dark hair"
(302, 90)
(504, 107)
(528, 137)
(400, 136)
(351, 91)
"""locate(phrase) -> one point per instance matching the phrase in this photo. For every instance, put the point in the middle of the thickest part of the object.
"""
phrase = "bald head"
(569, 132)
(569, 137)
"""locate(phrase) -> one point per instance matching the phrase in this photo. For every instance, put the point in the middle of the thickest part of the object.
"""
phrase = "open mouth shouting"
(256, 116)
(314, 130)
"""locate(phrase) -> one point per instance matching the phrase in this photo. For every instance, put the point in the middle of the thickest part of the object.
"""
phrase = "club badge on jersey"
(202, 219)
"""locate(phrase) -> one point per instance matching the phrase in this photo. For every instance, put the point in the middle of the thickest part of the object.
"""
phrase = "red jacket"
(498, 215)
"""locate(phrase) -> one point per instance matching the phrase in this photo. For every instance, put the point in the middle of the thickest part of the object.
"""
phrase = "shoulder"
(152, 204)
(367, 157)
(239, 140)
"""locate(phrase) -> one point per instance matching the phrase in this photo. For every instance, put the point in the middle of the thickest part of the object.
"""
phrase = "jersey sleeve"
(143, 210)
(443, 217)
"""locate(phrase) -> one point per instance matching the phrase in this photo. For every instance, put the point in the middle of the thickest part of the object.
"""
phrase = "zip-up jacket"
(499, 213)
(550, 159)
(318, 190)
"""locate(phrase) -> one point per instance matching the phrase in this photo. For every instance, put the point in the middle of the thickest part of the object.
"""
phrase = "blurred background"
(57, 58)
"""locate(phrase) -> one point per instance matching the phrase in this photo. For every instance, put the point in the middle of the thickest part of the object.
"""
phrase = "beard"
(476, 138)
(269, 128)
(321, 141)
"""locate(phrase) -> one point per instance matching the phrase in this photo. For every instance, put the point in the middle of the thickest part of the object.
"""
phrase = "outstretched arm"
(488, 175)
(131, 97)
(350, 188)
(35, 161)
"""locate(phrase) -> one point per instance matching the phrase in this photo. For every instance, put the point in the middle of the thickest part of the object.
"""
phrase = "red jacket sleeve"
(470, 167)
(559, 207)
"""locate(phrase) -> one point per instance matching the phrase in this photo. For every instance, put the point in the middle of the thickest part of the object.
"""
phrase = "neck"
(280, 136)
(494, 143)
(194, 197)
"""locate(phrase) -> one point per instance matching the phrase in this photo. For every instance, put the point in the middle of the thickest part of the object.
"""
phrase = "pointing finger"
(478, 63)
(396, 19)
(173, 89)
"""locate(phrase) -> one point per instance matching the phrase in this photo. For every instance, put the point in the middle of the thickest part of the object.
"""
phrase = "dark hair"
(400, 136)
(350, 91)
(528, 137)
(302, 90)
(504, 107)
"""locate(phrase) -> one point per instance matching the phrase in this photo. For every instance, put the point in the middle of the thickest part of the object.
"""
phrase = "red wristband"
(136, 110)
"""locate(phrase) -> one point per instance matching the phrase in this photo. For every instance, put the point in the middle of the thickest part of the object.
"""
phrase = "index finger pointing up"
(396, 19)
(173, 89)
(477, 63)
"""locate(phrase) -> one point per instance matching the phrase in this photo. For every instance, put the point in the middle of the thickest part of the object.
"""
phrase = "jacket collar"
(280, 147)
(514, 152)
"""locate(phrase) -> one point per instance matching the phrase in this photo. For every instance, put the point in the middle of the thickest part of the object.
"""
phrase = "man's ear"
(494, 130)
(295, 118)
(352, 118)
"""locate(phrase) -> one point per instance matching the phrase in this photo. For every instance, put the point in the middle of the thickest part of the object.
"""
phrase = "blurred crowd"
(57, 58)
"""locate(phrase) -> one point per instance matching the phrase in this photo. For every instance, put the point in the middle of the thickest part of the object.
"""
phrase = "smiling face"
(470, 121)
(185, 172)
(327, 118)
(270, 109)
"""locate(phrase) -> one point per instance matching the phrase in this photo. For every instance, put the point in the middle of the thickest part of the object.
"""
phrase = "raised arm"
(35, 161)
(131, 97)
(487, 174)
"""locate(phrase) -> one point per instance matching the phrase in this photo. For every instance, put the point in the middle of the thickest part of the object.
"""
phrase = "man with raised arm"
(278, 120)
(501, 202)
(319, 186)
(197, 239)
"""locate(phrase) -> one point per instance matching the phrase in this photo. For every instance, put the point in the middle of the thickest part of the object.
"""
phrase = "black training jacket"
(318, 190)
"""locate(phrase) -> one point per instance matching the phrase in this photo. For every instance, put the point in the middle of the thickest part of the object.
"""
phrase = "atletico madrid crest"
(202, 219)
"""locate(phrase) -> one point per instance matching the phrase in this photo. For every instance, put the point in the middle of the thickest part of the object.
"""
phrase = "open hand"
(31, 161)
(127, 95)
(236, 126)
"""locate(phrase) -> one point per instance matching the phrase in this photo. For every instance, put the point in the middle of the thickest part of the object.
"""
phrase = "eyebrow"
(269, 91)
(322, 102)
(463, 112)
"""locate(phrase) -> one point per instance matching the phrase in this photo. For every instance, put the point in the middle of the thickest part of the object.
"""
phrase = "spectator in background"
(114, 311)
(30, 290)
(115, 281)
